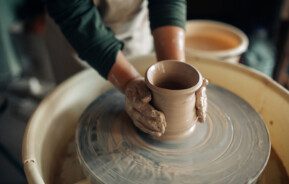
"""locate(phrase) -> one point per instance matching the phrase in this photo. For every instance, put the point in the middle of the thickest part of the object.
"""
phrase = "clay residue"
(143, 115)
(68, 168)
(211, 42)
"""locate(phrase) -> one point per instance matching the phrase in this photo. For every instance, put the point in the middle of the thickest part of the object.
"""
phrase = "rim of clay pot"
(161, 90)
(222, 54)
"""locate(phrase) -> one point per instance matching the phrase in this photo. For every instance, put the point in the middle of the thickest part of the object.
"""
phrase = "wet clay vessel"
(173, 85)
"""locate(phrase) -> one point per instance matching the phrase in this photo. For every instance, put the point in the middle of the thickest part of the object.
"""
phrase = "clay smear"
(138, 107)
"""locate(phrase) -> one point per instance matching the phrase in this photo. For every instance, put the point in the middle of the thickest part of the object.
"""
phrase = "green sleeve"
(167, 12)
(82, 25)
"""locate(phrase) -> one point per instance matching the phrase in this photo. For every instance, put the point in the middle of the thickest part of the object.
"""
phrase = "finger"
(154, 120)
(144, 129)
(201, 110)
(201, 100)
(201, 106)
(130, 94)
(147, 122)
(148, 110)
(138, 94)
(201, 116)
(144, 93)
(134, 114)
(205, 82)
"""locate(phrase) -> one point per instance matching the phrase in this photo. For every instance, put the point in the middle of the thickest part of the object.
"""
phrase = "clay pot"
(173, 85)
(215, 40)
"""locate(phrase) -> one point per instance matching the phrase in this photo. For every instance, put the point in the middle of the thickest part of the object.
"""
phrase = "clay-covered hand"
(201, 101)
(144, 115)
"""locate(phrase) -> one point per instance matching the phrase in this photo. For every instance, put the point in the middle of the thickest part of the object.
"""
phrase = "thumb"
(144, 93)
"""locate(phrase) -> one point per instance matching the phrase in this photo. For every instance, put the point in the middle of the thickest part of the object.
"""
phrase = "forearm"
(122, 72)
(82, 25)
(169, 43)
(167, 22)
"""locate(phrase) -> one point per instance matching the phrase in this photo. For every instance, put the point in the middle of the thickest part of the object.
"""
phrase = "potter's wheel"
(232, 146)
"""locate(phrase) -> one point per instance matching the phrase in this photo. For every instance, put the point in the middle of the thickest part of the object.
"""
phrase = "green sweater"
(95, 43)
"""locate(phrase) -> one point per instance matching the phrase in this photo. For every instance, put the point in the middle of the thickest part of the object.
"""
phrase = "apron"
(128, 19)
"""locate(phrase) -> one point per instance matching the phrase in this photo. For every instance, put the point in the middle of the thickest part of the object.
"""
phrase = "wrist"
(122, 72)
(169, 43)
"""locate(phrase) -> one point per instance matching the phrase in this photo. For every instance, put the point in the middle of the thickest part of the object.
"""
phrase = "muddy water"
(210, 42)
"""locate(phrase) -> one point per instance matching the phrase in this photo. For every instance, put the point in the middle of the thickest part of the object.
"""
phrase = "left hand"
(142, 113)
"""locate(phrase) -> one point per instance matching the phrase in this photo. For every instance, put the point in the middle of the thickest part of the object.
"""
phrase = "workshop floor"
(14, 114)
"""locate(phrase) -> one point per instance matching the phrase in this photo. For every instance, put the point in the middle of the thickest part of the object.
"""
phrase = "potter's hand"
(137, 97)
(201, 101)
(144, 116)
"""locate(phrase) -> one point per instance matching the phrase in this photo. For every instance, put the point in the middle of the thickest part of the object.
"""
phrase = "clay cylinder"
(173, 85)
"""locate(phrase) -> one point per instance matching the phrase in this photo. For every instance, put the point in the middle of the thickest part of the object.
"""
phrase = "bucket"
(53, 124)
(215, 40)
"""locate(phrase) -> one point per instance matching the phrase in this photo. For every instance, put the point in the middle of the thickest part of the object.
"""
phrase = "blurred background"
(34, 60)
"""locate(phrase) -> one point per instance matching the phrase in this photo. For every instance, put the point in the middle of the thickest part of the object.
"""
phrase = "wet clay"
(138, 107)
(232, 146)
(173, 85)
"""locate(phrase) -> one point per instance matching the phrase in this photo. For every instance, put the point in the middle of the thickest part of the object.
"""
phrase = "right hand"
(201, 101)
(143, 115)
